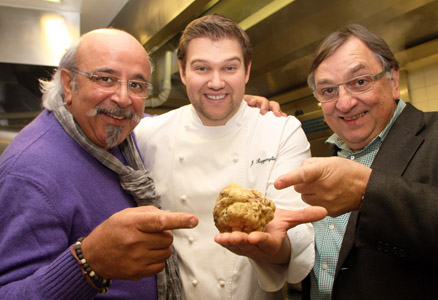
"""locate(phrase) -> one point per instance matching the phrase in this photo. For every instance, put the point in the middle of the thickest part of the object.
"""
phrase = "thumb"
(293, 218)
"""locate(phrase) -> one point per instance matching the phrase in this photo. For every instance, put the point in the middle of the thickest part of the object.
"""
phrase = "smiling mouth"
(354, 117)
(116, 117)
(215, 97)
(116, 113)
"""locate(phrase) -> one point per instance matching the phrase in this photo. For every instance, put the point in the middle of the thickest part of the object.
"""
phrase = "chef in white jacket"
(195, 151)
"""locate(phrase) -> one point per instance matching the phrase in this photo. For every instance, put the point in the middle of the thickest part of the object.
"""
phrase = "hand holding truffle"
(264, 242)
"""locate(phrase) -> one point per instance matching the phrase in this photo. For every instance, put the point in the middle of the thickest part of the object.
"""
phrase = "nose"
(216, 81)
(346, 101)
(121, 95)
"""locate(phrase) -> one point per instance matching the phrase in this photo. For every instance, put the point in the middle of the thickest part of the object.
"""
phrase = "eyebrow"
(357, 68)
(352, 72)
(200, 60)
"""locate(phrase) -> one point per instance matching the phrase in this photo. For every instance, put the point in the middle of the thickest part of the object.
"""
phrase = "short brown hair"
(335, 40)
(214, 27)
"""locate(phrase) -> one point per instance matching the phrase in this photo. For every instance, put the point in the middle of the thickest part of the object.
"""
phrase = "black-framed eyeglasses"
(356, 85)
(110, 83)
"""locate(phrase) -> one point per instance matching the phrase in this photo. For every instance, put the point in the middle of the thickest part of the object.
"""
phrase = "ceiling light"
(57, 1)
(264, 13)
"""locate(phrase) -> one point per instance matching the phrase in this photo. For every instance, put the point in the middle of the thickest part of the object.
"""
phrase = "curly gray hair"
(53, 93)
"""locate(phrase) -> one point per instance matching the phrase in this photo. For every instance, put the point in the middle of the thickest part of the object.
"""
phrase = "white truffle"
(238, 209)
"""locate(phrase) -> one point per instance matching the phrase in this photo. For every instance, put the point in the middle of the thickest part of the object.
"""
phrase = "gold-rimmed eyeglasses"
(110, 83)
(356, 85)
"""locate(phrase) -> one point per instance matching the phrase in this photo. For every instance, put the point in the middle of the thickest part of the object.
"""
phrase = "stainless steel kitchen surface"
(284, 34)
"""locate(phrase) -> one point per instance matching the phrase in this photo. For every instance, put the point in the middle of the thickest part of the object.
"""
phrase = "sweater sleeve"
(36, 260)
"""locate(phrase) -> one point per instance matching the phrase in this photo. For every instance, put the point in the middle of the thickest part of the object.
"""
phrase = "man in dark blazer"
(380, 240)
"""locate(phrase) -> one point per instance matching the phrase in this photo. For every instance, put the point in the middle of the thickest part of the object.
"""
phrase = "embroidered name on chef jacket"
(261, 161)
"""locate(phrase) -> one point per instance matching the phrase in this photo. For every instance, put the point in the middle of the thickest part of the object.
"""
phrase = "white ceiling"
(94, 13)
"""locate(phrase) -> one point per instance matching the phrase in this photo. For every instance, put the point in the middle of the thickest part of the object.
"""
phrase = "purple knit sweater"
(51, 193)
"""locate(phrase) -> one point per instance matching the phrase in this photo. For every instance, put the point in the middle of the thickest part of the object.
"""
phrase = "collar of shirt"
(373, 146)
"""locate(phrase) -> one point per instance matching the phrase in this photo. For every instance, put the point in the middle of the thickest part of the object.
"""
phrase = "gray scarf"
(136, 181)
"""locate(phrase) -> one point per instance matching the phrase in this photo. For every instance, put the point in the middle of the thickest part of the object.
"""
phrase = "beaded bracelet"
(98, 283)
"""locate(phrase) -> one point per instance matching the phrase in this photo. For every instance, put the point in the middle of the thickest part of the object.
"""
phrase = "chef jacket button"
(332, 226)
(239, 124)
(183, 198)
(235, 159)
(221, 283)
(191, 239)
(324, 267)
(194, 282)
(181, 158)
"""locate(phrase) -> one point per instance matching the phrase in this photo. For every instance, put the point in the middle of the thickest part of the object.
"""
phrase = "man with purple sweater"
(75, 172)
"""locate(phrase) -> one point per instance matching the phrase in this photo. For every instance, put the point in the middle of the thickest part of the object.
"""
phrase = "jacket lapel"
(348, 240)
(394, 156)
(401, 143)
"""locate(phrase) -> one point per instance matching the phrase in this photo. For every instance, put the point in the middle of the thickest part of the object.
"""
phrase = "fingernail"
(193, 222)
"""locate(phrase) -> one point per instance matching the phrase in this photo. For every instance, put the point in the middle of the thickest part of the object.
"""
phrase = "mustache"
(118, 112)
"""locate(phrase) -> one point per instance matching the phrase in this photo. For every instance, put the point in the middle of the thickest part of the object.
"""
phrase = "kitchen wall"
(422, 77)
(36, 37)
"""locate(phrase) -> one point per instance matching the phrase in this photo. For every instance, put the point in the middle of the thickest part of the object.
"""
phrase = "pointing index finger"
(309, 172)
(165, 220)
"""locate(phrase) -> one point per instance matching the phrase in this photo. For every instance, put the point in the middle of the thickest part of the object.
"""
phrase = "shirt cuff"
(272, 277)
(302, 239)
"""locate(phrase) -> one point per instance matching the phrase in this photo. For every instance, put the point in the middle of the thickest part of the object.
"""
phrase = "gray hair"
(53, 93)
(335, 40)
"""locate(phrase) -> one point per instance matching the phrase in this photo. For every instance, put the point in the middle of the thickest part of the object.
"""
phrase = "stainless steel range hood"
(32, 43)
(36, 37)
(284, 34)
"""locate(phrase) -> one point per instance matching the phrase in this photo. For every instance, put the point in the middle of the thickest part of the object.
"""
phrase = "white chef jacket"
(191, 163)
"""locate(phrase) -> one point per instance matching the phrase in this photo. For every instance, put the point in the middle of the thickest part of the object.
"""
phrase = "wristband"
(98, 283)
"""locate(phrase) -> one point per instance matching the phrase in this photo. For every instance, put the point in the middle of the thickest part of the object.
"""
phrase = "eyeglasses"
(356, 85)
(110, 83)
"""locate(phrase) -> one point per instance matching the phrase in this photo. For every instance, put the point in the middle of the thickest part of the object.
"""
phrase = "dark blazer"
(390, 248)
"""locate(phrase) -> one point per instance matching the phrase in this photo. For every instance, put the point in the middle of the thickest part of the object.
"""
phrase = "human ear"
(182, 73)
(67, 85)
(248, 70)
(395, 80)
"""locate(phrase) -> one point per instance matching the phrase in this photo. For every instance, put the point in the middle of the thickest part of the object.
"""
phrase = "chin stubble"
(112, 132)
